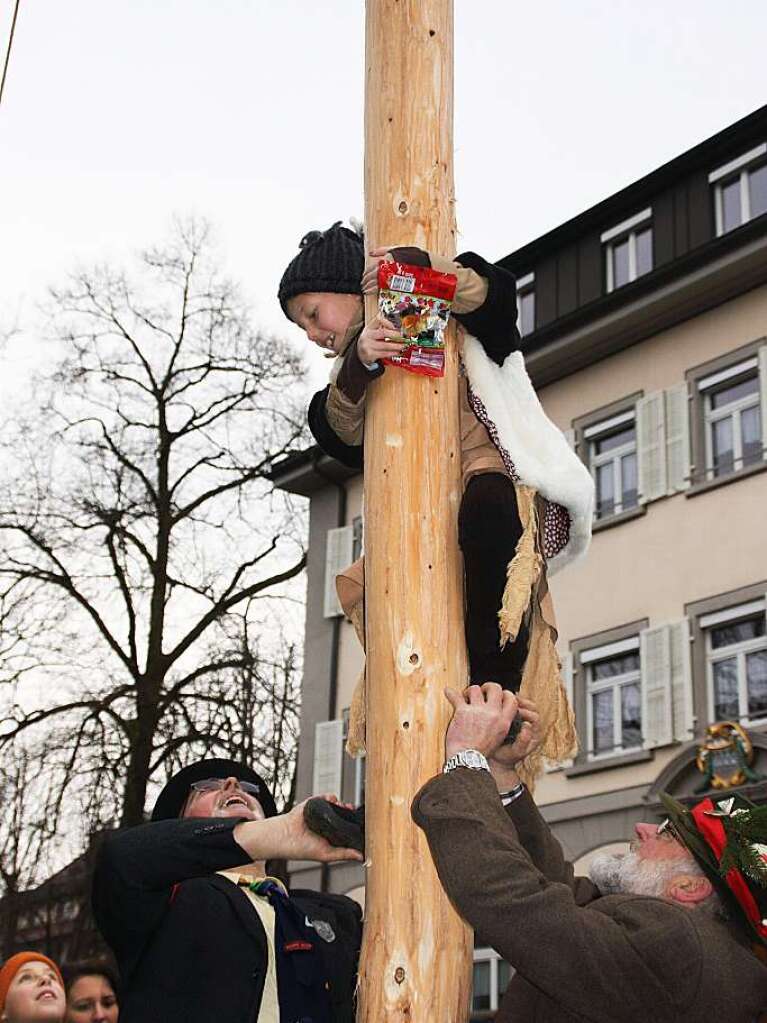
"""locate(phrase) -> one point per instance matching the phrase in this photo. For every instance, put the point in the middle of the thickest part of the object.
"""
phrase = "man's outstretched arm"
(137, 868)
(575, 956)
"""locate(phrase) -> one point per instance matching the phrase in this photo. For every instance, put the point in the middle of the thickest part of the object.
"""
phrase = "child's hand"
(387, 254)
(375, 341)
(370, 276)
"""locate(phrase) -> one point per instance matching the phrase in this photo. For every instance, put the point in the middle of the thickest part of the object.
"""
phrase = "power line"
(8, 51)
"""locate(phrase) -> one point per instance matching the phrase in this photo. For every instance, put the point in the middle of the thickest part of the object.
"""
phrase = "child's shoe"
(337, 824)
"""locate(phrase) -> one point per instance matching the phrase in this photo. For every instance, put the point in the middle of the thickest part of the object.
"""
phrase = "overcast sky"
(249, 112)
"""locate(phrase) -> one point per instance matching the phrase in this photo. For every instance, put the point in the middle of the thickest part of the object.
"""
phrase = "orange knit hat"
(12, 966)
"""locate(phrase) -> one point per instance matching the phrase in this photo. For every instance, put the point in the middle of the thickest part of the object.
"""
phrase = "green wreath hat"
(727, 836)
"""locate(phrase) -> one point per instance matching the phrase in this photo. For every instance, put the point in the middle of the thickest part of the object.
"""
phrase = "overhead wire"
(8, 50)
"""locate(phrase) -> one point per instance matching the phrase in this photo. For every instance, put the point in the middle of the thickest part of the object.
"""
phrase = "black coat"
(189, 944)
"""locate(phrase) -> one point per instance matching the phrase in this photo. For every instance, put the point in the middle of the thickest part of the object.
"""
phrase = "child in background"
(527, 497)
(31, 990)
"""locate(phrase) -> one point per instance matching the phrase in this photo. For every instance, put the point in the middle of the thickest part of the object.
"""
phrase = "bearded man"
(201, 932)
(655, 934)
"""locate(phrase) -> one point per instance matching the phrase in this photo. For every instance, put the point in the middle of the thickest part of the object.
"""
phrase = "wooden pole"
(416, 956)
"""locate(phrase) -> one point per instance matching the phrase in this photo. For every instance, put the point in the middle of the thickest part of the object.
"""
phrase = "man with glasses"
(667, 931)
(200, 930)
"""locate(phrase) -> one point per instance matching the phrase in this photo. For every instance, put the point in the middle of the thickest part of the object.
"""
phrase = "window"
(628, 250)
(614, 698)
(612, 458)
(736, 655)
(740, 189)
(359, 780)
(526, 304)
(489, 982)
(339, 545)
(732, 414)
(728, 416)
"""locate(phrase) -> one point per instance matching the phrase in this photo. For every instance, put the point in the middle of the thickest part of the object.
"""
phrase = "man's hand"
(504, 760)
(287, 837)
(482, 718)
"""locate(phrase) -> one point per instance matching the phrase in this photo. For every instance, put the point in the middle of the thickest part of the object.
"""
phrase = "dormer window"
(628, 250)
(740, 189)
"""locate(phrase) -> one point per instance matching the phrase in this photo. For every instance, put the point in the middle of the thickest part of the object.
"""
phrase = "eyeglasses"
(667, 828)
(214, 784)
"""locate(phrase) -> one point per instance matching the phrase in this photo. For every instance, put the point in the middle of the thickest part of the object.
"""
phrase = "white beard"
(626, 874)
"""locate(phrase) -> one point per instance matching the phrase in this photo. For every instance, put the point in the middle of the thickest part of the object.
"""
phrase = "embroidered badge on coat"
(323, 928)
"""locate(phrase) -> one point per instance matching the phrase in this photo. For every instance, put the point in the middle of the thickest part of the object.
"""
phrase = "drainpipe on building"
(335, 643)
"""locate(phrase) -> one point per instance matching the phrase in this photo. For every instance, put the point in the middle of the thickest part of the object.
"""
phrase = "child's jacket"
(503, 429)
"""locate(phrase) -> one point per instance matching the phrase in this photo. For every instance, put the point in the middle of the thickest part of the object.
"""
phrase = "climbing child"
(527, 500)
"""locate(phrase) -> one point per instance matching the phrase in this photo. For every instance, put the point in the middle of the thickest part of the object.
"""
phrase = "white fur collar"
(540, 453)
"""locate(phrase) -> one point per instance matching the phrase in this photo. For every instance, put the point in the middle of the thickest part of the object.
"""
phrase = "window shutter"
(655, 661)
(338, 556)
(681, 680)
(651, 447)
(763, 393)
(328, 757)
(677, 439)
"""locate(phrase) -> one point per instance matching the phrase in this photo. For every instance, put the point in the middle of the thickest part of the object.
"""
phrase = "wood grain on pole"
(416, 961)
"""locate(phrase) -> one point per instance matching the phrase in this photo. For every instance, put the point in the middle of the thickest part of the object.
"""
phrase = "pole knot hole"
(402, 208)
(399, 975)
(415, 658)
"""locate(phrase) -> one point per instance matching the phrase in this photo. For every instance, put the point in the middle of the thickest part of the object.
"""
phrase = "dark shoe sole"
(339, 826)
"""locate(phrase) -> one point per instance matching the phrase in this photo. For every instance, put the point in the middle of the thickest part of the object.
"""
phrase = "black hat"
(727, 835)
(331, 260)
(171, 800)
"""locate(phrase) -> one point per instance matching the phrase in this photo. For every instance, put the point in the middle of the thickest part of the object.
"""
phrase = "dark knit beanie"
(331, 260)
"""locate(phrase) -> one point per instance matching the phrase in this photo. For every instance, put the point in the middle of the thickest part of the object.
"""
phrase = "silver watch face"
(473, 759)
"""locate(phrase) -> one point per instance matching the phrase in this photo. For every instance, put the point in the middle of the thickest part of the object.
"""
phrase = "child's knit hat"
(331, 260)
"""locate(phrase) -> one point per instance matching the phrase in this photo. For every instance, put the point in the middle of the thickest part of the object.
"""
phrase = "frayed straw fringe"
(542, 683)
(355, 739)
(541, 679)
(523, 571)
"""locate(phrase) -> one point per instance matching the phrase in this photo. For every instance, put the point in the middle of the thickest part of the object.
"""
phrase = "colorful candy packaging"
(417, 301)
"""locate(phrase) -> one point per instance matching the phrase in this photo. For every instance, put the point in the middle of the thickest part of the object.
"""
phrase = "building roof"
(712, 150)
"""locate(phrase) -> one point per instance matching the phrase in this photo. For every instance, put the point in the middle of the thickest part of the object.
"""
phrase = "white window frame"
(489, 955)
(738, 169)
(594, 433)
(626, 230)
(525, 286)
(739, 651)
(615, 682)
(359, 778)
(706, 386)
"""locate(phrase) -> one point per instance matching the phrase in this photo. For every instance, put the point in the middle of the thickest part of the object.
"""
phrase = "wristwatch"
(471, 758)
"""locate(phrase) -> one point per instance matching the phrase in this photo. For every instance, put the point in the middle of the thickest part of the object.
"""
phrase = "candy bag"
(417, 300)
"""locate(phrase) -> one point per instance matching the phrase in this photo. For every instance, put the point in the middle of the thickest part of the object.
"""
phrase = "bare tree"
(251, 713)
(137, 505)
(28, 805)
